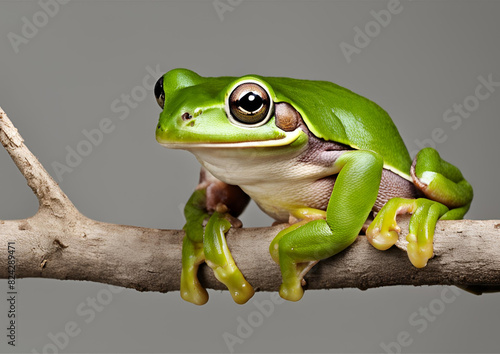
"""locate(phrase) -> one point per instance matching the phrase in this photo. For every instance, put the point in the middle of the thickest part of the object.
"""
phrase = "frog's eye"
(159, 93)
(249, 104)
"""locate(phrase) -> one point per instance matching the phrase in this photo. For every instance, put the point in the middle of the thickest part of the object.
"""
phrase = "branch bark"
(59, 242)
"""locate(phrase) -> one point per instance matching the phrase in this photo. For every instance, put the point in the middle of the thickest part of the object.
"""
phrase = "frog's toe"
(192, 291)
(241, 291)
(421, 231)
(291, 291)
(383, 232)
(233, 279)
(384, 238)
(419, 255)
(291, 288)
(190, 287)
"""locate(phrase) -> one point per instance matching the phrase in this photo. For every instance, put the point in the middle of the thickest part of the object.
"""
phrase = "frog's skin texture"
(310, 153)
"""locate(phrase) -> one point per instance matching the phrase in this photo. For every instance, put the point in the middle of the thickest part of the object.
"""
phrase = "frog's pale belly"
(278, 184)
(281, 183)
(279, 199)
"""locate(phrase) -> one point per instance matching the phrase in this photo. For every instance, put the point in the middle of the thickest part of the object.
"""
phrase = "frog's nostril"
(186, 116)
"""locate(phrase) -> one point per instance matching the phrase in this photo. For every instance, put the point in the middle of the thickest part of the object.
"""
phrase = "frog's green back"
(334, 113)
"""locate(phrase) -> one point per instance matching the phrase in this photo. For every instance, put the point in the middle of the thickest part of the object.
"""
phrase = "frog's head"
(221, 112)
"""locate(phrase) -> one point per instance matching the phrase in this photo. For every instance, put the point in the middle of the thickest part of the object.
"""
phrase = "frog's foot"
(300, 246)
(218, 257)
(231, 276)
(421, 230)
(298, 217)
(291, 290)
(383, 232)
(192, 257)
(274, 248)
(293, 276)
(293, 280)
(419, 255)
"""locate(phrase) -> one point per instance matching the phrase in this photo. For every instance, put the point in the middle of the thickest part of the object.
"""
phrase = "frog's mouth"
(288, 139)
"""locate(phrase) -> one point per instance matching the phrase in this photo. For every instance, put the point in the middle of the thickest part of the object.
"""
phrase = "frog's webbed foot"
(207, 221)
(384, 231)
(293, 276)
(293, 280)
(421, 231)
(214, 251)
(218, 257)
(449, 196)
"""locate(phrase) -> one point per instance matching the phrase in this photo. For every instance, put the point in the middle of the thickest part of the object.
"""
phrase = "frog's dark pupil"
(251, 102)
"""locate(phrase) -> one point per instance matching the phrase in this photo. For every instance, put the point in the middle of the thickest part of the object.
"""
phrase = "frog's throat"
(288, 139)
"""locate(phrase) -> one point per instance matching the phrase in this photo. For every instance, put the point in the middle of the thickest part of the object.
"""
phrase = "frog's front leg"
(218, 257)
(213, 203)
(353, 196)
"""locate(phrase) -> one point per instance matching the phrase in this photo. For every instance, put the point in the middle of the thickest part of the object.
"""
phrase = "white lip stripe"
(288, 139)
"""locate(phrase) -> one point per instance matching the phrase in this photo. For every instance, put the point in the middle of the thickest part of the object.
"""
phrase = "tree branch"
(59, 242)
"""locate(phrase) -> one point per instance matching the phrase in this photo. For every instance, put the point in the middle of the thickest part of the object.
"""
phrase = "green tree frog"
(310, 153)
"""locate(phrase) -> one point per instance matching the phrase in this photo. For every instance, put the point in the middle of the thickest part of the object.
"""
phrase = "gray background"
(90, 53)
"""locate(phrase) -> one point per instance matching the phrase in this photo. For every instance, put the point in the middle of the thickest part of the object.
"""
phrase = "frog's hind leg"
(441, 181)
(451, 196)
